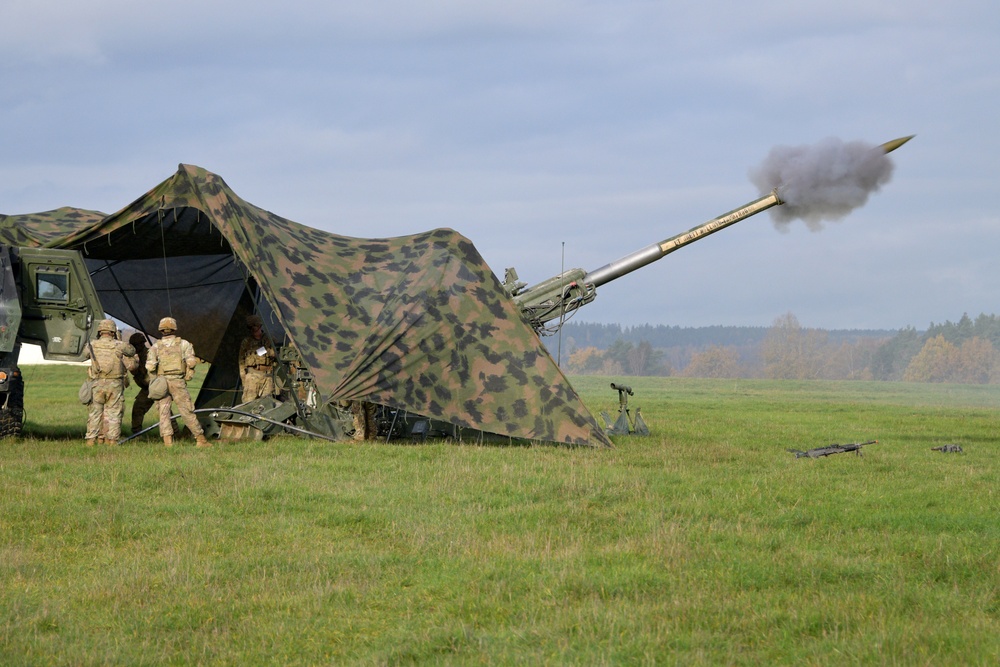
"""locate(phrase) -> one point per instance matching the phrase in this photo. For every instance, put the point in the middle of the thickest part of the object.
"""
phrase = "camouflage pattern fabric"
(142, 403)
(36, 230)
(256, 370)
(419, 323)
(111, 359)
(363, 416)
(109, 364)
(177, 393)
(174, 358)
(171, 356)
(257, 384)
(104, 417)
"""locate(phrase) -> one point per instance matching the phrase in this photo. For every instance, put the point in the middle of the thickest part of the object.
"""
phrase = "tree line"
(967, 351)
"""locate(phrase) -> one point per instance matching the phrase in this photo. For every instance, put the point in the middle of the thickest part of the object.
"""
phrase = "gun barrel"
(561, 295)
(650, 254)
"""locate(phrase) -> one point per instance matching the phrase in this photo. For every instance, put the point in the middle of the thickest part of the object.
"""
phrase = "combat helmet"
(107, 325)
(168, 324)
(254, 321)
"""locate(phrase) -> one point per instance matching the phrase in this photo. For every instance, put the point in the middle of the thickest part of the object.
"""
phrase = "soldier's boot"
(168, 441)
(111, 443)
(90, 442)
(200, 441)
(100, 440)
(136, 427)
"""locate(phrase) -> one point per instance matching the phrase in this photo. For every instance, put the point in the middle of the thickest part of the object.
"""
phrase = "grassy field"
(704, 543)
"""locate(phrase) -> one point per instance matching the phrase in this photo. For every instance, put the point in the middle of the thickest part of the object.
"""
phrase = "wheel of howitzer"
(12, 414)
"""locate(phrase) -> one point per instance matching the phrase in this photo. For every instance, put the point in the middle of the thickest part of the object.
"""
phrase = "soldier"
(110, 359)
(257, 357)
(365, 426)
(142, 402)
(173, 358)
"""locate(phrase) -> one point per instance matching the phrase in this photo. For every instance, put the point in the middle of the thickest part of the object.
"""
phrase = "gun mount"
(562, 295)
(624, 425)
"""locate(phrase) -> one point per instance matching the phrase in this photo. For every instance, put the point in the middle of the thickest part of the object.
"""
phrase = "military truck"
(46, 298)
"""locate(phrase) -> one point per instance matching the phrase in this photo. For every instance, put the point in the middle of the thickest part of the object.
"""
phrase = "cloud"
(44, 31)
(524, 125)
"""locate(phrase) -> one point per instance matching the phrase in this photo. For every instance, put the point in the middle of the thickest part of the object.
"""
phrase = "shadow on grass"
(47, 432)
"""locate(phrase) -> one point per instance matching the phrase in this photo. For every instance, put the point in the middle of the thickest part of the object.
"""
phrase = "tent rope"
(163, 246)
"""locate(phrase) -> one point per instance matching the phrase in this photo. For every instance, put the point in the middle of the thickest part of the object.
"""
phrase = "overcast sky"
(551, 133)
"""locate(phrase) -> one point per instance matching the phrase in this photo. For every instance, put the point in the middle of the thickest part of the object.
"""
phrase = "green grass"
(704, 543)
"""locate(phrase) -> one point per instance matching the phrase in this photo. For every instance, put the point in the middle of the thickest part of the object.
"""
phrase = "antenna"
(562, 311)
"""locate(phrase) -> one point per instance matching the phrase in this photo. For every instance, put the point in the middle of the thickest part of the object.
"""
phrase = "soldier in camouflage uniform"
(110, 361)
(142, 403)
(257, 357)
(173, 358)
(365, 427)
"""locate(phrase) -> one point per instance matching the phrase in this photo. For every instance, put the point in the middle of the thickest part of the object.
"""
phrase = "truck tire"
(12, 413)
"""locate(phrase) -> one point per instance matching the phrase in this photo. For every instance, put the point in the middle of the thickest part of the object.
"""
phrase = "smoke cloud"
(822, 182)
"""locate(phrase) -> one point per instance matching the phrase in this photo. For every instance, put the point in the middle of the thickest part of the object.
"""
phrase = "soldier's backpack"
(170, 359)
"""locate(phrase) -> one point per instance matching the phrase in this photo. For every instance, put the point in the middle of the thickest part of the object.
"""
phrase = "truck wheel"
(12, 414)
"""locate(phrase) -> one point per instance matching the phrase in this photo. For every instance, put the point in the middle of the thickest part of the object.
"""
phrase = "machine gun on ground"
(817, 452)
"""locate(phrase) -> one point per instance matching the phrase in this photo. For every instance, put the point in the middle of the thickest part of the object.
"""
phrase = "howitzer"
(560, 296)
(817, 452)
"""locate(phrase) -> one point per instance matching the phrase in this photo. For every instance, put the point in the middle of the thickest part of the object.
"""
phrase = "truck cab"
(46, 298)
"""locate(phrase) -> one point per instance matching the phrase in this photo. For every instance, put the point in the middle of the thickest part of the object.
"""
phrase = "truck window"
(52, 286)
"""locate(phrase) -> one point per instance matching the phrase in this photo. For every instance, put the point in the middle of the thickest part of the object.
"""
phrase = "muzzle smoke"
(822, 182)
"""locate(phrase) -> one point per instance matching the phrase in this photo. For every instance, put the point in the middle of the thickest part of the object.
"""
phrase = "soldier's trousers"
(140, 406)
(177, 393)
(257, 384)
(106, 409)
(365, 427)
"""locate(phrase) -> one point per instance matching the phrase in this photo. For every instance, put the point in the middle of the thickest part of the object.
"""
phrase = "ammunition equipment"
(817, 452)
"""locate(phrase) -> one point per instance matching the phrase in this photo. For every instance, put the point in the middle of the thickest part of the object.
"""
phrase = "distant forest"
(966, 351)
